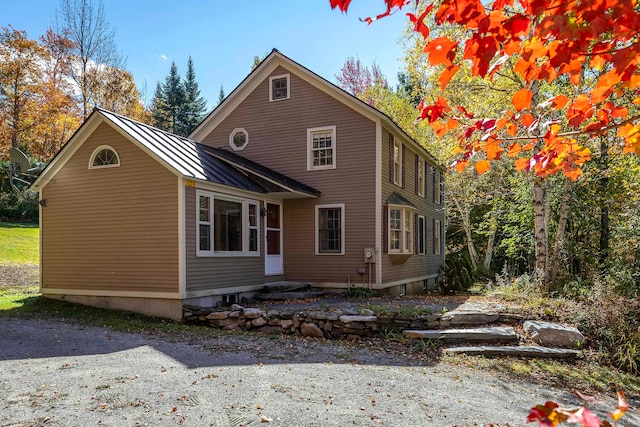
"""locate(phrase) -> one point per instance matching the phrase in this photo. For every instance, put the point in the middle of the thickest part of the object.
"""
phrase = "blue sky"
(223, 37)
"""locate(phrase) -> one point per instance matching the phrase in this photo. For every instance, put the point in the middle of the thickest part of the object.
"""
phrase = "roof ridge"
(155, 129)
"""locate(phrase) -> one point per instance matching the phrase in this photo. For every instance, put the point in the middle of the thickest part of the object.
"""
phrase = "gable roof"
(265, 68)
(183, 156)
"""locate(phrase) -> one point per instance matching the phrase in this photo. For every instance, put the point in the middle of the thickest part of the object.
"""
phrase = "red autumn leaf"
(418, 22)
(586, 417)
(559, 102)
(447, 74)
(441, 51)
(514, 149)
(522, 99)
(527, 119)
(343, 5)
(465, 112)
(522, 164)
(482, 166)
(622, 407)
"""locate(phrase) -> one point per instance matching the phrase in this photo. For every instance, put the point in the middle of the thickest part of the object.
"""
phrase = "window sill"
(397, 259)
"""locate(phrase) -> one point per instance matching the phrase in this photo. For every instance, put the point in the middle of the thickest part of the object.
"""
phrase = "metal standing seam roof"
(195, 160)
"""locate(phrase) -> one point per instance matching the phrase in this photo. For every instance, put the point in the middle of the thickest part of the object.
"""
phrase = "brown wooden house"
(289, 179)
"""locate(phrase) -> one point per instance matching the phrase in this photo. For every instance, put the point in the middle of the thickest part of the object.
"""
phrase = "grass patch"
(19, 243)
(585, 375)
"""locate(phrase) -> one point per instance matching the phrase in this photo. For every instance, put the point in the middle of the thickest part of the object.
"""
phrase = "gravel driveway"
(55, 373)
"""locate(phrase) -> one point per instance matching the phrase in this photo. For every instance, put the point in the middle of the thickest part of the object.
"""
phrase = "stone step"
(285, 286)
(518, 351)
(469, 317)
(493, 334)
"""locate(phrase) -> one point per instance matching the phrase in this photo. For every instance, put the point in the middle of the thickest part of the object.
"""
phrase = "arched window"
(104, 157)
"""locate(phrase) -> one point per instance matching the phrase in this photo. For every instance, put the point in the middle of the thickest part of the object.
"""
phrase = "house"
(289, 179)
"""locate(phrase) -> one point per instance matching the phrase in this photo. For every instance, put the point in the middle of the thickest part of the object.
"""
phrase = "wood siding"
(278, 139)
(111, 229)
(417, 265)
(214, 272)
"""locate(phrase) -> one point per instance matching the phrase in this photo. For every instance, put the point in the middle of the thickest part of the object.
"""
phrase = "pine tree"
(194, 106)
(221, 95)
(159, 109)
(174, 96)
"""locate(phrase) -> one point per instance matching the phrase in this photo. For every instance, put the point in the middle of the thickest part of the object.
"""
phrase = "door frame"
(273, 264)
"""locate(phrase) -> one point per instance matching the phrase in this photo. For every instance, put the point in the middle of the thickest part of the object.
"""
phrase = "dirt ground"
(57, 373)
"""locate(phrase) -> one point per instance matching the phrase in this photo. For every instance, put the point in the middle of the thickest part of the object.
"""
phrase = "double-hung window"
(397, 162)
(420, 176)
(422, 235)
(226, 225)
(279, 87)
(321, 148)
(330, 229)
(400, 233)
(437, 233)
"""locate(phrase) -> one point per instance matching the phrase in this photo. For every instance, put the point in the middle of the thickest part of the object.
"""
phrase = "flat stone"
(554, 334)
(349, 319)
(366, 312)
(519, 351)
(236, 307)
(309, 329)
(252, 313)
(294, 295)
(497, 334)
(260, 321)
(216, 315)
(324, 315)
(469, 317)
(286, 324)
(285, 286)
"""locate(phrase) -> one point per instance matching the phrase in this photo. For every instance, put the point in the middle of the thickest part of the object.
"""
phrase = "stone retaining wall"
(333, 324)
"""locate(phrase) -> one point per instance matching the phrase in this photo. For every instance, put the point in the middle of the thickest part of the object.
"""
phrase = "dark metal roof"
(262, 171)
(198, 161)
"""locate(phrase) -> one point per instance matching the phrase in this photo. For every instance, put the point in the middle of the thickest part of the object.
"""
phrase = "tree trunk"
(562, 225)
(466, 225)
(489, 253)
(540, 231)
(605, 233)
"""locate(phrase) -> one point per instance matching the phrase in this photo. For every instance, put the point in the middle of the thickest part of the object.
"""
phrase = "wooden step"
(517, 351)
(492, 334)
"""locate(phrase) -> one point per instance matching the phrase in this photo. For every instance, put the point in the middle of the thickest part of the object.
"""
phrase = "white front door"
(273, 240)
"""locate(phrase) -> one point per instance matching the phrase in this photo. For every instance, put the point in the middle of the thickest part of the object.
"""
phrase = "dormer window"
(279, 87)
(104, 157)
(238, 139)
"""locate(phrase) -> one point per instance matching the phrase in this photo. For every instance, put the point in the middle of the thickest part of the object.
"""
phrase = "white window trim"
(233, 133)
(397, 167)
(342, 228)
(310, 132)
(271, 79)
(437, 235)
(95, 153)
(404, 211)
(422, 236)
(252, 227)
(245, 225)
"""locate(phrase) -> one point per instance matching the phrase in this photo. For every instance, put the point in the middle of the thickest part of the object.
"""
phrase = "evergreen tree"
(194, 106)
(159, 109)
(221, 95)
(174, 96)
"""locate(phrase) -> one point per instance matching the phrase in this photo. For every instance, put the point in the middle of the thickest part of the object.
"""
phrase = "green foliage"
(359, 292)
(458, 272)
(177, 106)
(12, 206)
(19, 243)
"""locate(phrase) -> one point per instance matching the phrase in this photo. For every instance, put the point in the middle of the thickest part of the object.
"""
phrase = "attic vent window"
(104, 157)
(238, 139)
(279, 87)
